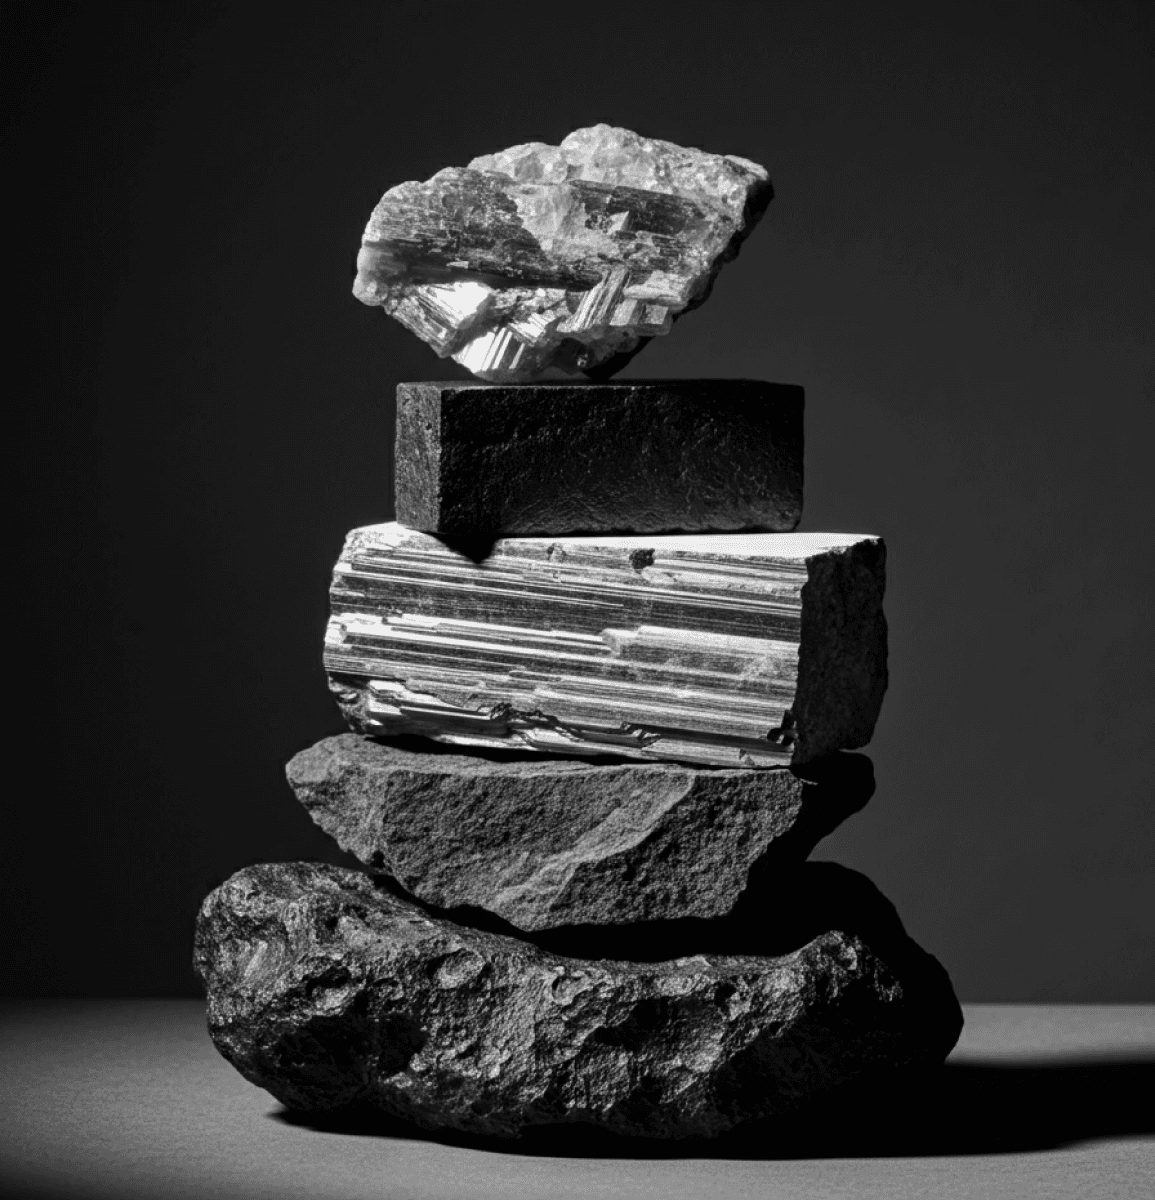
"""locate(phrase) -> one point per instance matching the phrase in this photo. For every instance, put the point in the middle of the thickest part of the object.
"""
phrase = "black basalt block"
(659, 456)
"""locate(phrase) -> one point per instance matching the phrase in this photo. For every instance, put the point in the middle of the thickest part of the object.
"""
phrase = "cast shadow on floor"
(957, 1109)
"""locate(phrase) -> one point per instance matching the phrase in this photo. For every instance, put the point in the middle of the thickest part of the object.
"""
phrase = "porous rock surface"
(335, 995)
(644, 456)
(558, 258)
(544, 842)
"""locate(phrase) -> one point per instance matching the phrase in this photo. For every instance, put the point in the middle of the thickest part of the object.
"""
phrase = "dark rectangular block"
(655, 456)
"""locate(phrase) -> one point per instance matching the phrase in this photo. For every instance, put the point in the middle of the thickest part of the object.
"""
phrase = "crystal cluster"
(558, 259)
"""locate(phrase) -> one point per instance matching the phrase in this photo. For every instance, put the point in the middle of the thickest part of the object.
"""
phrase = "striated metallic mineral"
(543, 842)
(561, 259)
(333, 994)
(740, 650)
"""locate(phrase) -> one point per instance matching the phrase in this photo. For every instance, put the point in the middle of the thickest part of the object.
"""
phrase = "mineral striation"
(564, 258)
(741, 650)
(639, 457)
(544, 842)
(333, 994)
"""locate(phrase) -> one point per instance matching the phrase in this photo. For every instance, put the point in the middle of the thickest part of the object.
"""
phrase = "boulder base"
(333, 994)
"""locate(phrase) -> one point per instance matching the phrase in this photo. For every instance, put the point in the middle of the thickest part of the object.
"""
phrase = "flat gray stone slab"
(544, 842)
(332, 994)
(680, 455)
(727, 650)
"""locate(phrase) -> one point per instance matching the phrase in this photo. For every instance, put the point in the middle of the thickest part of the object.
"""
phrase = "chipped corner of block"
(382, 538)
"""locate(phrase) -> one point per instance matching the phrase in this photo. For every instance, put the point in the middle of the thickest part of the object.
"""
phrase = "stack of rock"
(603, 699)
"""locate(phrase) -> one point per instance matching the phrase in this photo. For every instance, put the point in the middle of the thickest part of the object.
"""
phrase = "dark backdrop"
(958, 267)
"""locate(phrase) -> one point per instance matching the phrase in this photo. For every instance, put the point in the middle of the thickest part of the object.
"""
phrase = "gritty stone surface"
(333, 994)
(543, 842)
(729, 650)
(689, 455)
(563, 259)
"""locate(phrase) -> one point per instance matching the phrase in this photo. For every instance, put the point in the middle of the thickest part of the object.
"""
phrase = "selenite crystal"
(558, 260)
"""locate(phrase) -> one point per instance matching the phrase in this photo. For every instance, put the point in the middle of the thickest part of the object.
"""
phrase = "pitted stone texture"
(544, 842)
(562, 259)
(332, 994)
(665, 456)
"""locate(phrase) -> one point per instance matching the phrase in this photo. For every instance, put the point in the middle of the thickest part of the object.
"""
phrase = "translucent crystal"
(541, 260)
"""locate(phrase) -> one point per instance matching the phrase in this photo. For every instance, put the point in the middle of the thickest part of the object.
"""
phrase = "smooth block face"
(333, 994)
(739, 650)
(548, 842)
(560, 260)
(665, 456)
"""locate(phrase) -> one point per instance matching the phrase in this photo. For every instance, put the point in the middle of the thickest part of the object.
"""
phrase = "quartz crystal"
(558, 260)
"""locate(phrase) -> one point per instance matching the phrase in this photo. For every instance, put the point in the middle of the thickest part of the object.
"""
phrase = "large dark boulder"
(334, 994)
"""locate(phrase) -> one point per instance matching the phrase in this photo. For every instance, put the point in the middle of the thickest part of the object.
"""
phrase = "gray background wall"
(958, 267)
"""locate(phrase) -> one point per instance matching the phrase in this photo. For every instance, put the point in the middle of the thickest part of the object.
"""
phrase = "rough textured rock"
(748, 649)
(558, 258)
(640, 457)
(332, 994)
(544, 842)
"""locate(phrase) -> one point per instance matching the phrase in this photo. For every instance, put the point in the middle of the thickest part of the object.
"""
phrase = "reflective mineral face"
(557, 261)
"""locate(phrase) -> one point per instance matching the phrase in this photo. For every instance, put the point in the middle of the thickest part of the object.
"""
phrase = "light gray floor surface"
(127, 1098)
